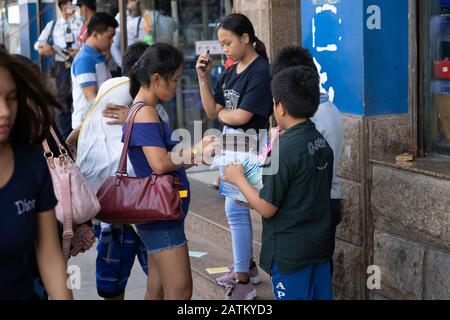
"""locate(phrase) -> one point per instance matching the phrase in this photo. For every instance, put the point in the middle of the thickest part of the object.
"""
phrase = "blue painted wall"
(365, 70)
(386, 59)
(28, 29)
(47, 12)
(29, 32)
(344, 68)
(47, 15)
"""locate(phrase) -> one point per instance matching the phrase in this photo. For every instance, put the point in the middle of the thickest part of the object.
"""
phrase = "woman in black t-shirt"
(27, 221)
(242, 100)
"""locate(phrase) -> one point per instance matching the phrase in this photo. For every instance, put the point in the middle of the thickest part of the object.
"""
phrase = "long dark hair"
(160, 58)
(240, 24)
(35, 103)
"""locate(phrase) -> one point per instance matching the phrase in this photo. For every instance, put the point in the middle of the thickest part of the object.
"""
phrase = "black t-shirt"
(249, 90)
(28, 192)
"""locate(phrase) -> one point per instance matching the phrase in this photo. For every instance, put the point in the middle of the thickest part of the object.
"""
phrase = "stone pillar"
(275, 21)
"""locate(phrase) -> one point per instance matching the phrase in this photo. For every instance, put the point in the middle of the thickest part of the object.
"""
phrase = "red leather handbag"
(127, 200)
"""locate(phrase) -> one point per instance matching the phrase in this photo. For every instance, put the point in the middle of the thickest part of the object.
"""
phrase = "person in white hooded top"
(328, 122)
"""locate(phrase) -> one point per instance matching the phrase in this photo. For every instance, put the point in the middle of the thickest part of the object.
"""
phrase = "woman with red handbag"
(28, 218)
(154, 79)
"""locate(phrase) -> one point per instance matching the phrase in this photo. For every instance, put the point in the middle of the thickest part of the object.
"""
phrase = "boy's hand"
(234, 173)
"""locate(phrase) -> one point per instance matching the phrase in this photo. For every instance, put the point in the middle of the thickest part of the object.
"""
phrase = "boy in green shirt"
(295, 201)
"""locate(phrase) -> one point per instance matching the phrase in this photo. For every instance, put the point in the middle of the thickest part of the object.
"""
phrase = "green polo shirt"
(299, 233)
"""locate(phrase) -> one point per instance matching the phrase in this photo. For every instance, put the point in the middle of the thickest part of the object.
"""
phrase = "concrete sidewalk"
(138, 280)
(88, 291)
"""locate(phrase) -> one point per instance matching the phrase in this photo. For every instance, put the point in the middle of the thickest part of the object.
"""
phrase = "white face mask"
(71, 9)
(79, 17)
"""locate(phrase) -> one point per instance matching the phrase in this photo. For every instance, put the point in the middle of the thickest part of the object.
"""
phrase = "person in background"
(143, 25)
(328, 122)
(58, 40)
(87, 9)
(89, 69)
(28, 201)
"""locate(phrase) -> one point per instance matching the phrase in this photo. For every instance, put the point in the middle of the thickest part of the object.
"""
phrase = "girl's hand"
(206, 141)
(203, 149)
(234, 173)
(211, 145)
(204, 66)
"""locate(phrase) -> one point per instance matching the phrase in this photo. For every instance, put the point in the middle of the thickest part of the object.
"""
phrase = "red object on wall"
(442, 69)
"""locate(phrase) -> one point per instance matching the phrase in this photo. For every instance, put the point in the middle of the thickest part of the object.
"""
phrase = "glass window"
(195, 20)
(10, 25)
(438, 65)
(111, 7)
(182, 23)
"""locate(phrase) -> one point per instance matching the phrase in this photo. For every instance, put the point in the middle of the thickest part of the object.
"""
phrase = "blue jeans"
(240, 223)
(312, 282)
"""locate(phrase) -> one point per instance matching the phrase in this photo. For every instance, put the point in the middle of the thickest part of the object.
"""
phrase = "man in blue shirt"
(90, 69)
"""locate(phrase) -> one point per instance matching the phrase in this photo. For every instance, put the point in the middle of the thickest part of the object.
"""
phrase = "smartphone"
(206, 62)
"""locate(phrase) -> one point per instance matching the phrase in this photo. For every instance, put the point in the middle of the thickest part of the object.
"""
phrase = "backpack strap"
(50, 35)
(138, 27)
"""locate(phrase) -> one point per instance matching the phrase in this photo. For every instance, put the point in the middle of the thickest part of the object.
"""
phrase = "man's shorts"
(117, 249)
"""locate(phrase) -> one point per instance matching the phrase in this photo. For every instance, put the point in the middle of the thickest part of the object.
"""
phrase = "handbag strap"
(61, 147)
(65, 192)
(122, 169)
(67, 210)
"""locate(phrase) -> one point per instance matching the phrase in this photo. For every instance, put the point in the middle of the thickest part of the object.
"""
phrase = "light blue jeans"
(240, 223)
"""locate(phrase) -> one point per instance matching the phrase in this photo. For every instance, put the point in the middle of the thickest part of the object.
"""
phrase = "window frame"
(421, 102)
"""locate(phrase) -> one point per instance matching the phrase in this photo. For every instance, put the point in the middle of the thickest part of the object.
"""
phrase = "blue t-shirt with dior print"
(28, 193)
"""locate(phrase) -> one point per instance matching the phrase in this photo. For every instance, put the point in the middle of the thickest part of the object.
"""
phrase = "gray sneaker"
(228, 279)
(240, 291)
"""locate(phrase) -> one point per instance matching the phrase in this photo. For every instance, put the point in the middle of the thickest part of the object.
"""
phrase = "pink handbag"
(77, 203)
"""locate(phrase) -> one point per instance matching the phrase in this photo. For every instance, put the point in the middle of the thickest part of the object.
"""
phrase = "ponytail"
(135, 85)
(160, 58)
(241, 24)
(260, 48)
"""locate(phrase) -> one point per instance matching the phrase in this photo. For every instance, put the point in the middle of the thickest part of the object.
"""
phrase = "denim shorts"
(156, 241)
